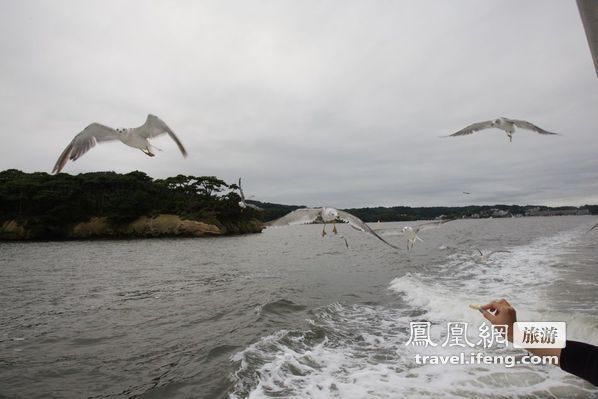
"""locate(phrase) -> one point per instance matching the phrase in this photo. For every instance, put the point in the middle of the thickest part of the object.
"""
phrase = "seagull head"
(242, 204)
(406, 229)
(329, 214)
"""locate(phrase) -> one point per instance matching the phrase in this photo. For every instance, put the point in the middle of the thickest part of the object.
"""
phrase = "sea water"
(287, 313)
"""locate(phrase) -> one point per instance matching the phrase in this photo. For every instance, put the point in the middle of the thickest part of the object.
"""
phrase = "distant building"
(499, 213)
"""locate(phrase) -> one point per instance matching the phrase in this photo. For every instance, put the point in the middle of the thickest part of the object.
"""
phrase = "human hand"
(500, 312)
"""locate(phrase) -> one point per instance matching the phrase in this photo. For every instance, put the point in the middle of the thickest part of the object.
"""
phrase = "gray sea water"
(287, 313)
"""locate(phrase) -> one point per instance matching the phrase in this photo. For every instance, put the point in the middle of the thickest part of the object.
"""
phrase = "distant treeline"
(405, 213)
(402, 213)
(50, 204)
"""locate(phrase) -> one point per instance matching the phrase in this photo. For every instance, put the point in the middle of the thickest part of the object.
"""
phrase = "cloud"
(310, 102)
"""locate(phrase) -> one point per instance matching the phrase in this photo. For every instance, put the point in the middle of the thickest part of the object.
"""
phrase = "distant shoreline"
(160, 226)
(410, 214)
(99, 205)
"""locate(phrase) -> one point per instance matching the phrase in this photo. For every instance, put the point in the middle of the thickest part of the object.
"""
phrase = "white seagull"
(244, 204)
(506, 124)
(134, 137)
(411, 231)
(325, 215)
(484, 257)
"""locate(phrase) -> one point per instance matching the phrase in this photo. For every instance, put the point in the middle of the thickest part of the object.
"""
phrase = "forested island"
(113, 205)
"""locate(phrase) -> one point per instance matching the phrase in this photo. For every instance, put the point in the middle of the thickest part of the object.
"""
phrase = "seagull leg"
(324, 230)
(147, 152)
(334, 229)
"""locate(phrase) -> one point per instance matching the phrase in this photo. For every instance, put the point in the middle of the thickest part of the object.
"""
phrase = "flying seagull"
(484, 257)
(134, 137)
(325, 215)
(593, 227)
(411, 231)
(465, 192)
(506, 124)
(244, 204)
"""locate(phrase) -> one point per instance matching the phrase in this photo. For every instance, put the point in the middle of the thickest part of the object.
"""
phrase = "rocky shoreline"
(164, 225)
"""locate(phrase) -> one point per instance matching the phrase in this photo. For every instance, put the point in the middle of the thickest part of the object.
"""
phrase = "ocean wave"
(360, 351)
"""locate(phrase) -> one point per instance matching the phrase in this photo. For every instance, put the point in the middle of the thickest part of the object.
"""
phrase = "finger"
(491, 305)
(489, 316)
(502, 306)
(486, 308)
(505, 302)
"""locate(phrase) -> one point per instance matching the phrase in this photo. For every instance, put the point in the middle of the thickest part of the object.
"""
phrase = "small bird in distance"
(484, 257)
(410, 232)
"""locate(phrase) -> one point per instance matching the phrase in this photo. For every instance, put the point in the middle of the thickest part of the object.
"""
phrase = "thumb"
(489, 316)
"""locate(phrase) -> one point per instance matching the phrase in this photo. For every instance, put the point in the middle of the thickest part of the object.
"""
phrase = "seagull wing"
(257, 208)
(481, 253)
(241, 191)
(155, 126)
(392, 231)
(360, 225)
(593, 227)
(472, 128)
(346, 242)
(529, 126)
(298, 216)
(430, 225)
(84, 142)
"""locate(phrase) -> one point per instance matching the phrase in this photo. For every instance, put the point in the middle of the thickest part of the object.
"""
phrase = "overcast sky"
(337, 103)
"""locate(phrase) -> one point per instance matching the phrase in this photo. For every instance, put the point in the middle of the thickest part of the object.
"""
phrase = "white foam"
(359, 351)
(521, 276)
(375, 363)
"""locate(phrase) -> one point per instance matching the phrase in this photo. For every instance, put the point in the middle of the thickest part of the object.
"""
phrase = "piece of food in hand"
(474, 306)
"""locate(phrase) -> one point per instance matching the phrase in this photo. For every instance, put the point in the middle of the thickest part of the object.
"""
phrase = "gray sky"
(335, 103)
